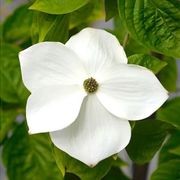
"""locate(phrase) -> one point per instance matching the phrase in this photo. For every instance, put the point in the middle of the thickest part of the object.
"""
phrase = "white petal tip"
(30, 132)
(21, 54)
(168, 93)
(92, 165)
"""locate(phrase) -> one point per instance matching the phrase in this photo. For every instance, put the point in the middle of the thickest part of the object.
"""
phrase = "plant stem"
(140, 171)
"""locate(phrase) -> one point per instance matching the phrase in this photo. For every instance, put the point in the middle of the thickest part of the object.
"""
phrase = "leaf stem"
(126, 39)
(157, 55)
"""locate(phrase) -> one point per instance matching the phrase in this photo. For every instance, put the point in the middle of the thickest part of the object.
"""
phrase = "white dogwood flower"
(84, 93)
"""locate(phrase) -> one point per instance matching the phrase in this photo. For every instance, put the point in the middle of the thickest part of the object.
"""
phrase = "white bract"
(87, 119)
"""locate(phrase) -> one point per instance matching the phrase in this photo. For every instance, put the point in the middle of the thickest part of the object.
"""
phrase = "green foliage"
(171, 148)
(12, 90)
(111, 9)
(154, 24)
(115, 173)
(131, 46)
(85, 11)
(71, 165)
(29, 157)
(150, 62)
(176, 151)
(58, 6)
(7, 118)
(143, 27)
(147, 138)
(168, 76)
(17, 26)
(170, 112)
(167, 171)
(83, 17)
(47, 27)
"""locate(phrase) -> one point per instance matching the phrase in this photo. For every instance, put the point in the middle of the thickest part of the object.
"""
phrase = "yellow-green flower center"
(90, 85)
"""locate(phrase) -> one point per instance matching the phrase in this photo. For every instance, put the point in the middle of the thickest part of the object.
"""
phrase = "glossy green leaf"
(147, 138)
(47, 27)
(150, 62)
(171, 148)
(29, 157)
(131, 46)
(17, 26)
(167, 171)
(12, 90)
(58, 6)
(168, 76)
(170, 112)
(68, 164)
(120, 30)
(85, 16)
(111, 8)
(154, 24)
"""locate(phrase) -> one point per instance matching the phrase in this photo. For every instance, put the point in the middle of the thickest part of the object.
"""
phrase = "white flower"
(84, 93)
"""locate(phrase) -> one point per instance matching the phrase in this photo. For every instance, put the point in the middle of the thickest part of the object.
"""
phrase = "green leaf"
(16, 27)
(155, 24)
(120, 30)
(81, 15)
(58, 6)
(170, 112)
(176, 151)
(132, 46)
(98, 12)
(93, 11)
(47, 27)
(7, 119)
(12, 90)
(170, 150)
(118, 162)
(115, 173)
(29, 157)
(147, 138)
(167, 171)
(111, 8)
(150, 62)
(8, 1)
(168, 76)
(68, 164)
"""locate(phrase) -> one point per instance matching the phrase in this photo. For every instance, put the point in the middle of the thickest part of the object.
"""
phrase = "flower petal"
(50, 63)
(53, 108)
(95, 135)
(97, 49)
(131, 92)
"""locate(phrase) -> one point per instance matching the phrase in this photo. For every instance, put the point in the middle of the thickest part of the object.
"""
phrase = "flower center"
(90, 85)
